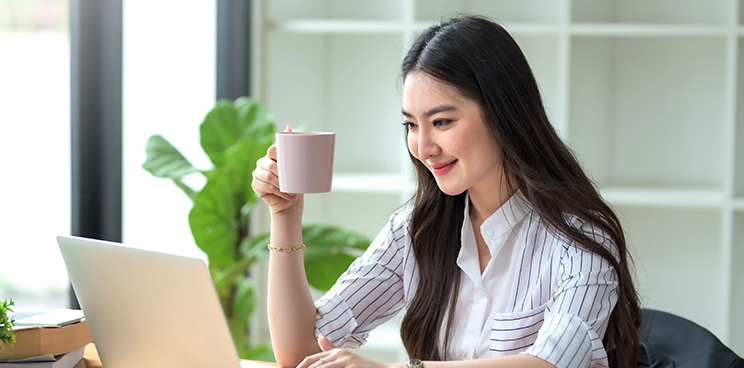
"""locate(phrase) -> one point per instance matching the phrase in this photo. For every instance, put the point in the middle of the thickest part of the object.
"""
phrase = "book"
(62, 333)
(59, 318)
(67, 360)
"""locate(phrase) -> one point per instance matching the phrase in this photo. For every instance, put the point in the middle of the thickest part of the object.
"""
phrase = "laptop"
(148, 309)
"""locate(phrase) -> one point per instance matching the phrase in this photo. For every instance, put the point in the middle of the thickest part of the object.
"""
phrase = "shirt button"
(489, 233)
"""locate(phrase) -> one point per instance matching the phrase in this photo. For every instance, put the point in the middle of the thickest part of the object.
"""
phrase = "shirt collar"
(500, 222)
(494, 231)
(505, 218)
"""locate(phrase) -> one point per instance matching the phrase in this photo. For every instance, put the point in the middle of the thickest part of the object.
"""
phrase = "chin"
(450, 191)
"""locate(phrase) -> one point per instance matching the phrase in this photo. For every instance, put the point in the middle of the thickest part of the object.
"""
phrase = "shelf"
(738, 204)
(367, 214)
(514, 28)
(333, 9)
(657, 11)
(679, 262)
(502, 11)
(342, 83)
(739, 123)
(655, 92)
(346, 26)
(586, 29)
(371, 183)
(352, 26)
(736, 335)
(654, 197)
(644, 30)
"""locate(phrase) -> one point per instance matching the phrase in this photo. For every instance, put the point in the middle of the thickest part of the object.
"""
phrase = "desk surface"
(92, 360)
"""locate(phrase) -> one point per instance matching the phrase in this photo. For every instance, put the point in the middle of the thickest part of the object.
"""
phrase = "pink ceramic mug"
(305, 161)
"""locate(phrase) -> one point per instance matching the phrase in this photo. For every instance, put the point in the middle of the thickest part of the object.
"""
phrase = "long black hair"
(484, 63)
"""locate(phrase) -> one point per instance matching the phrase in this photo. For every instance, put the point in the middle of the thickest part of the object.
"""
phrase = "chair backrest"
(672, 341)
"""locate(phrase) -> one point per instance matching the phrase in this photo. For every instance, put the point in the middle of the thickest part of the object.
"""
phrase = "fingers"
(266, 179)
(324, 343)
(271, 152)
(331, 355)
(314, 361)
(324, 360)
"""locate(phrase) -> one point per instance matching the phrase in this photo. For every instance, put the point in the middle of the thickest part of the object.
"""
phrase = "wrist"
(287, 216)
(414, 363)
(286, 227)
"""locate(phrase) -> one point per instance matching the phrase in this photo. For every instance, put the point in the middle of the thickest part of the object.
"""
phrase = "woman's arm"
(340, 358)
(521, 361)
(291, 310)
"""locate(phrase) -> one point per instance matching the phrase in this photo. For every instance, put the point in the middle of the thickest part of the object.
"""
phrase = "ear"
(324, 343)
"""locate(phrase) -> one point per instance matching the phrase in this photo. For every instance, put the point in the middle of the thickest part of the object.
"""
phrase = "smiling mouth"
(440, 170)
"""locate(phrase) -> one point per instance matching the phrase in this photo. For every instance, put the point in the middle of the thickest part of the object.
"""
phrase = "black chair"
(672, 341)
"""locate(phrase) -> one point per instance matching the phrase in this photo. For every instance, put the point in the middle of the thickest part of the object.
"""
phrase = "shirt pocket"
(512, 333)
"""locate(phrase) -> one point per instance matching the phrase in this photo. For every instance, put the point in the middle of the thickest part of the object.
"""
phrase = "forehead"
(421, 90)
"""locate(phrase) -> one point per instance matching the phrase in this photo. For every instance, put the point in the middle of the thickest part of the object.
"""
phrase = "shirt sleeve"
(369, 293)
(577, 316)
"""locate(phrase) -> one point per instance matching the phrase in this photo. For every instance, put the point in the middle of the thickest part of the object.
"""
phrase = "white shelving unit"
(650, 95)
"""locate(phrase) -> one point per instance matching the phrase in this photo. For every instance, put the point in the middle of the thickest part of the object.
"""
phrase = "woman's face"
(446, 132)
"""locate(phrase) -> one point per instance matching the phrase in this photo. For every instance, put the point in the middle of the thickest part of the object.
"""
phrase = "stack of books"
(55, 339)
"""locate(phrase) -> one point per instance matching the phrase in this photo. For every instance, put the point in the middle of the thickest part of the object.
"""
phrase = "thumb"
(288, 128)
(324, 343)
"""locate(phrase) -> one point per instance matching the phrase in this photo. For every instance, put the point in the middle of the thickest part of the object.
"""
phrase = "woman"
(507, 256)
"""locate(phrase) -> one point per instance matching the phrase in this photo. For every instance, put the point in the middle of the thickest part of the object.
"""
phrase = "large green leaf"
(243, 303)
(255, 246)
(213, 220)
(260, 352)
(227, 276)
(256, 121)
(330, 250)
(229, 121)
(218, 131)
(240, 161)
(165, 161)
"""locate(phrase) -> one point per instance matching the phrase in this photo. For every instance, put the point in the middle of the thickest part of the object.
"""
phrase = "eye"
(408, 125)
(440, 123)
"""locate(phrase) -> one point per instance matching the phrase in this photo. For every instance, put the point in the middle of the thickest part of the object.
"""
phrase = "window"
(34, 151)
(169, 86)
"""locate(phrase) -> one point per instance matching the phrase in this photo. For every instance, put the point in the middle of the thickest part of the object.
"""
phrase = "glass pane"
(168, 87)
(34, 151)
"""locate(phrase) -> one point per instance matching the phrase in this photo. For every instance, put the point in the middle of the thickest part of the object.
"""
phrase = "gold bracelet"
(278, 249)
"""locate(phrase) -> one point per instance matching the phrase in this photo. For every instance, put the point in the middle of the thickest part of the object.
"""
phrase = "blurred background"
(649, 94)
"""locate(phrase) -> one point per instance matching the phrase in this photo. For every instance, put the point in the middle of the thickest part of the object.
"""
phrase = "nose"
(427, 145)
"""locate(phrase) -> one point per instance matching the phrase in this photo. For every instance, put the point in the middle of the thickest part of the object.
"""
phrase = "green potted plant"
(234, 135)
(6, 323)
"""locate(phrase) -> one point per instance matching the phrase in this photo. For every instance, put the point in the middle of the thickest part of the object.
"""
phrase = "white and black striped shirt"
(539, 295)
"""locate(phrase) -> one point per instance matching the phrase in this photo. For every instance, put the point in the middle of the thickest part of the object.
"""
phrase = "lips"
(443, 168)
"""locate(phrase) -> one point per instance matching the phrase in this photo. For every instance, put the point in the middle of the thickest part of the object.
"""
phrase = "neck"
(483, 205)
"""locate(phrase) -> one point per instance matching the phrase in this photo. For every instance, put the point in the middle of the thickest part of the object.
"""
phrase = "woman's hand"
(333, 357)
(266, 183)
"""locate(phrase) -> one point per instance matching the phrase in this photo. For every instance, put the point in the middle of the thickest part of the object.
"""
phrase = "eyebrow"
(432, 111)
